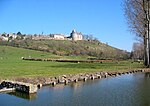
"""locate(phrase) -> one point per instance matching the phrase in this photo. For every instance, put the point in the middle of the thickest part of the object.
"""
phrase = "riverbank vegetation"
(12, 65)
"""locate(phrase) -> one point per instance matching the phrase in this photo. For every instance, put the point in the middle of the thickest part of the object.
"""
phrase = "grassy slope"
(11, 64)
(65, 47)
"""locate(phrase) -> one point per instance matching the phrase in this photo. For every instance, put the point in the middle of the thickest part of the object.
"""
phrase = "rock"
(75, 80)
(99, 76)
(119, 73)
(39, 86)
(53, 83)
(66, 82)
(64, 76)
(85, 79)
(92, 77)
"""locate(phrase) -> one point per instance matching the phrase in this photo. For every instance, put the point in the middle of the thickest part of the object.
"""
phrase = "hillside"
(12, 65)
(93, 49)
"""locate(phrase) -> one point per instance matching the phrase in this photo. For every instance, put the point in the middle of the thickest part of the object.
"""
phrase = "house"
(38, 37)
(13, 36)
(58, 36)
(73, 36)
(6, 37)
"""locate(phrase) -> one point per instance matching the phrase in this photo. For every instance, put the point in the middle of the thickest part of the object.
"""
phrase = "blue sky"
(104, 19)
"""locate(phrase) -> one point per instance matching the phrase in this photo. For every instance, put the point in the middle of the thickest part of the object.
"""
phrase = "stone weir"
(66, 79)
(19, 86)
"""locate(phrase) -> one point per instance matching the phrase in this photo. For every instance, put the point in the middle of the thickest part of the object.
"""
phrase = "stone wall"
(20, 86)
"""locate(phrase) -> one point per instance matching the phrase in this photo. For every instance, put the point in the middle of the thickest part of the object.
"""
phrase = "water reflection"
(125, 90)
(80, 84)
(24, 95)
(147, 74)
(58, 87)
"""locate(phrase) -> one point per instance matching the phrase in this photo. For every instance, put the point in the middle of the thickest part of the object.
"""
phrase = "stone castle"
(76, 36)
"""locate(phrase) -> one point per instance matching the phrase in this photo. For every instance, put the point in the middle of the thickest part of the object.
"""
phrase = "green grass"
(11, 64)
(69, 48)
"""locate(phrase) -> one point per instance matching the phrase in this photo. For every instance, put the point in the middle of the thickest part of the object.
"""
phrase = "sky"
(104, 19)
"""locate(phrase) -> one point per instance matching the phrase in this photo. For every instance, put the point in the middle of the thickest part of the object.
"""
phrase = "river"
(124, 90)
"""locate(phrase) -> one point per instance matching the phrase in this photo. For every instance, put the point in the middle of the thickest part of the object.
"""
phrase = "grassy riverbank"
(11, 64)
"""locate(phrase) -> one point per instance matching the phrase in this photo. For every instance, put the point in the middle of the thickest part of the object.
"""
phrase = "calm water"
(125, 90)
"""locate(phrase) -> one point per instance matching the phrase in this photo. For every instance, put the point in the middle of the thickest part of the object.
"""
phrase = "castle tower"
(75, 35)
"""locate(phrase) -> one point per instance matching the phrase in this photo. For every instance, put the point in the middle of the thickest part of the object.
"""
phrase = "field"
(12, 65)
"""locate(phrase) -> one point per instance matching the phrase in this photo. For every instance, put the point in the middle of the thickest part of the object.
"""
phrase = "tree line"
(137, 13)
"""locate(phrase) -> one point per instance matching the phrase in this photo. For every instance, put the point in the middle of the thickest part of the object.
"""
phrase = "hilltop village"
(75, 44)
(12, 36)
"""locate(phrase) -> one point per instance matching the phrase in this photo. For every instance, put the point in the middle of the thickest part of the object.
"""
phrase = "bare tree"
(137, 15)
(89, 37)
(137, 51)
